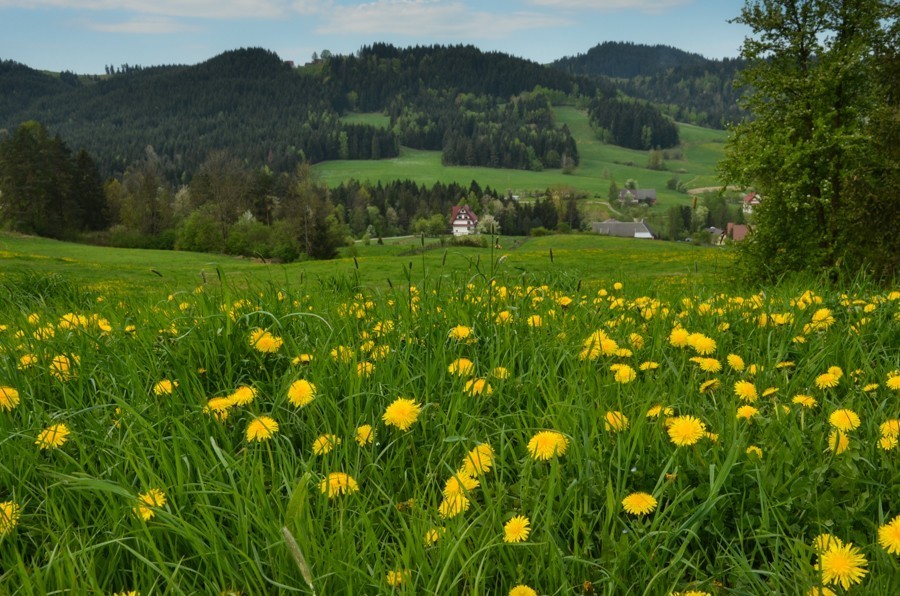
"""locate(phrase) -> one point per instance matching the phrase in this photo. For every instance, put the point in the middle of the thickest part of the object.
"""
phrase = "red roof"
(472, 217)
(752, 198)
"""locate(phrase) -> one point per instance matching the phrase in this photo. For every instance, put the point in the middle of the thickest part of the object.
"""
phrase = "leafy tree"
(818, 84)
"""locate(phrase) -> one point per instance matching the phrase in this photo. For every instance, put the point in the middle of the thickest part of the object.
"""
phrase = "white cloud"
(646, 6)
(430, 19)
(220, 9)
(141, 25)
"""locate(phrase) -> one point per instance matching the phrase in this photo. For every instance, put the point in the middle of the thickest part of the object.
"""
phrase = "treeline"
(632, 124)
(688, 87)
(229, 207)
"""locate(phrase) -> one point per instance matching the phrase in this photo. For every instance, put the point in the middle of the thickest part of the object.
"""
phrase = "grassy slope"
(584, 257)
(702, 149)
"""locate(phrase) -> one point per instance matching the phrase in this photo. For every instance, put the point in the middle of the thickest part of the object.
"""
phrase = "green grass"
(725, 521)
(600, 164)
(585, 257)
(375, 119)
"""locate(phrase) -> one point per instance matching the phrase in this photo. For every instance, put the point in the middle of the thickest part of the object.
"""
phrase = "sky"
(83, 36)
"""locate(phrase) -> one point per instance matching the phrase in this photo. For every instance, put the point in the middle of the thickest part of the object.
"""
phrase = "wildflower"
(338, 483)
(535, 321)
(479, 460)
(835, 371)
(364, 369)
(546, 444)
(823, 542)
(888, 442)
(658, 409)
(261, 429)
(242, 396)
(639, 503)
(870, 387)
(679, 337)
(504, 316)
(165, 387)
(806, 401)
(838, 442)
(460, 484)
(27, 361)
(10, 511)
(461, 333)
(396, 578)
(746, 412)
(522, 590)
(148, 501)
(893, 382)
(302, 359)
(365, 435)
(822, 320)
(710, 365)
(517, 529)
(624, 374)
(301, 393)
(453, 505)
(402, 413)
(615, 421)
(433, 535)
(263, 341)
(53, 437)
(769, 391)
(218, 407)
(843, 564)
(746, 391)
(9, 398)
(649, 365)
(461, 367)
(500, 372)
(754, 450)
(61, 367)
(709, 385)
(701, 344)
(325, 444)
(888, 536)
(827, 381)
(478, 387)
(844, 420)
(686, 430)
(890, 428)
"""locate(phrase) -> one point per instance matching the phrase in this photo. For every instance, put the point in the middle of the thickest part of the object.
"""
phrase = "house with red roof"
(463, 220)
(751, 201)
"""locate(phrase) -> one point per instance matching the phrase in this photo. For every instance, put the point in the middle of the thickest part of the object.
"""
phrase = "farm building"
(623, 229)
(463, 220)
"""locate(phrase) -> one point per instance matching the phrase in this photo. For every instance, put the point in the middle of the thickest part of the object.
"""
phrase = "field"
(600, 164)
(471, 427)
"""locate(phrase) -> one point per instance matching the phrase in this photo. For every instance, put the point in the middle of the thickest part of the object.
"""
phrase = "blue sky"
(85, 35)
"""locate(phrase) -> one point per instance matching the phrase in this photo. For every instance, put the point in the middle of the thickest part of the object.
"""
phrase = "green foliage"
(813, 150)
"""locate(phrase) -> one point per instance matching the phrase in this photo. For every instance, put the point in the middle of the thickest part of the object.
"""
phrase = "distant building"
(463, 221)
(637, 196)
(751, 201)
(736, 232)
(623, 229)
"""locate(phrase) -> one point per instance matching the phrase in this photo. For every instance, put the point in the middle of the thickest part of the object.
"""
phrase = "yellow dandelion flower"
(433, 535)
(709, 385)
(679, 337)
(844, 565)
(754, 451)
(838, 442)
(746, 412)
(844, 420)
(890, 428)
(453, 505)
(639, 503)
(888, 536)
(615, 421)
(337, 484)
(827, 381)
(165, 387)
(746, 391)
(325, 444)
(9, 398)
(822, 319)
(785, 364)
(769, 391)
(61, 367)
(461, 333)
(870, 387)
(686, 430)
(820, 591)
(893, 382)
(364, 369)
(395, 579)
(806, 401)
(479, 460)
(478, 387)
(823, 542)
(460, 484)
(462, 367)
(624, 374)
(10, 511)
(402, 413)
(242, 396)
(301, 393)
(263, 341)
(504, 316)
(261, 429)
(658, 409)
(649, 365)
(27, 361)
(302, 359)
(365, 434)
(546, 444)
(517, 529)
(148, 502)
(710, 365)
(522, 590)
(53, 437)
(888, 442)
(735, 362)
(701, 344)
(535, 321)
(835, 371)
(499, 372)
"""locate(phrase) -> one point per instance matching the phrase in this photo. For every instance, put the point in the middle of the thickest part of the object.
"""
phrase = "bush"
(540, 231)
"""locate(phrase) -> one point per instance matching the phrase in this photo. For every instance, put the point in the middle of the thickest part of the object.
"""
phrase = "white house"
(463, 221)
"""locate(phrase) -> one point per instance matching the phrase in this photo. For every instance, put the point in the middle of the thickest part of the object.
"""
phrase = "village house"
(638, 196)
(751, 201)
(463, 220)
(623, 229)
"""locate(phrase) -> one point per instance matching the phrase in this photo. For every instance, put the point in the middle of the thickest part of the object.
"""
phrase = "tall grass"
(726, 521)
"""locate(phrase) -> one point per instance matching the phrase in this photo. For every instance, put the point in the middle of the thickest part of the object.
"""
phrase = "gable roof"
(472, 217)
(623, 229)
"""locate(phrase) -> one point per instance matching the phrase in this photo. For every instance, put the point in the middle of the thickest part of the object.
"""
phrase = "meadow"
(600, 164)
(475, 429)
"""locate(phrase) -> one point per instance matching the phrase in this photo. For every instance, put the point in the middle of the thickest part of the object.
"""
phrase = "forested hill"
(690, 87)
(260, 109)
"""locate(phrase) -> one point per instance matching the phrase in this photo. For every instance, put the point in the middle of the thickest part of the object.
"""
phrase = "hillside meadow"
(615, 420)
(600, 164)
